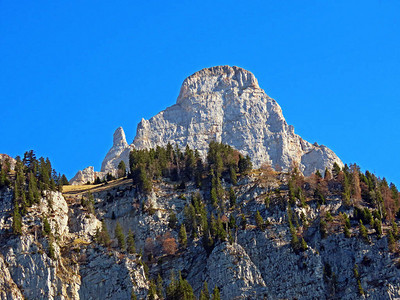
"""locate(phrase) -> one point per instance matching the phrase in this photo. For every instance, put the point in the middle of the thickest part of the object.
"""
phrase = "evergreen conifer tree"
(17, 221)
(64, 180)
(183, 236)
(216, 295)
(121, 169)
(120, 236)
(363, 232)
(102, 235)
(378, 227)
(391, 241)
(259, 220)
(46, 226)
(160, 293)
(204, 293)
(130, 242)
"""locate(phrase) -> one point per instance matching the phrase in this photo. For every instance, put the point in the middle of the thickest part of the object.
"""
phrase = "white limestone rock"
(226, 104)
(119, 151)
(230, 268)
(8, 288)
(110, 277)
(86, 175)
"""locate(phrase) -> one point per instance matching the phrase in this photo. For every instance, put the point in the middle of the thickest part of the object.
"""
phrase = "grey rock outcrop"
(86, 175)
(119, 151)
(230, 268)
(226, 104)
(8, 288)
(109, 277)
(6, 159)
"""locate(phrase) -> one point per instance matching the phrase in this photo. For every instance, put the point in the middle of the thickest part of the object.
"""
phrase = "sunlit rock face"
(227, 105)
(119, 151)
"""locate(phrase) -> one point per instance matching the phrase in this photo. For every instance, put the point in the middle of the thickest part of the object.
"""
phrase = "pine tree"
(204, 293)
(121, 169)
(183, 236)
(233, 175)
(335, 170)
(130, 242)
(214, 198)
(159, 286)
(17, 221)
(216, 295)
(232, 222)
(378, 227)
(190, 163)
(322, 229)
(33, 192)
(244, 164)
(357, 276)
(172, 222)
(51, 248)
(64, 180)
(171, 290)
(363, 232)
(327, 175)
(391, 241)
(102, 235)
(347, 232)
(4, 181)
(221, 233)
(152, 294)
(243, 221)
(259, 220)
(395, 229)
(46, 226)
(120, 236)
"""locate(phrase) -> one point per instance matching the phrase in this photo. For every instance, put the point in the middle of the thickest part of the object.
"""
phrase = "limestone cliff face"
(119, 151)
(76, 270)
(86, 175)
(226, 104)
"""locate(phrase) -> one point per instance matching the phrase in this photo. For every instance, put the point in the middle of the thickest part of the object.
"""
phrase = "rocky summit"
(226, 104)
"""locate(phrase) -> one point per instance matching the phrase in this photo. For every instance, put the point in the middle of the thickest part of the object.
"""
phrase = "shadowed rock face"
(226, 104)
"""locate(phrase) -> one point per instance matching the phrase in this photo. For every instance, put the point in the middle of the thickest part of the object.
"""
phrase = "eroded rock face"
(27, 259)
(8, 288)
(230, 268)
(110, 277)
(119, 151)
(85, 176)
(226, 104)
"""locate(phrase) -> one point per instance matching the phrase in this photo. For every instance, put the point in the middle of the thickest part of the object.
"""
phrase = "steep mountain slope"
(273, 235)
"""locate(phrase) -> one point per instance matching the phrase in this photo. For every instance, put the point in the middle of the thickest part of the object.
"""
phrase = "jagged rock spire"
(119, 151)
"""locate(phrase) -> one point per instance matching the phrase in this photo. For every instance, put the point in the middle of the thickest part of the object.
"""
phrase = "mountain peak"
(120, 146)
(215, 79)
(225, 104)
(119, 138)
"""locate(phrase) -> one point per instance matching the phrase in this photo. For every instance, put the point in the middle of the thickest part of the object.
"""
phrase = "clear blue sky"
(74, 71)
